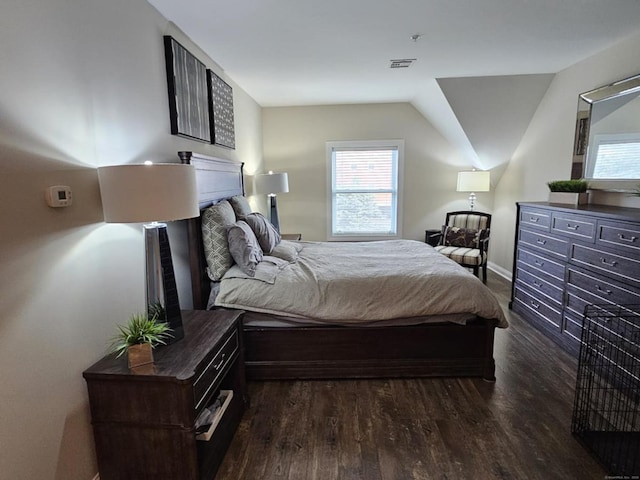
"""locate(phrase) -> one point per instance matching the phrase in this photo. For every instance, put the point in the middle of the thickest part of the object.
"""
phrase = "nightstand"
(432, 236)
(144, 423)
(291, 236)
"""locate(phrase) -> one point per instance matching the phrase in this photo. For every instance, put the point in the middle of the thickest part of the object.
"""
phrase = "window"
(364, 189)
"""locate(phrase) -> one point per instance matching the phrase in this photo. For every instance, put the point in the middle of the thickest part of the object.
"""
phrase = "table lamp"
(271, 184)
(473, 181)
(152, 194)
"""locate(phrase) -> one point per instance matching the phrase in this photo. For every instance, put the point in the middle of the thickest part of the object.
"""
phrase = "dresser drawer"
(538, 308)
(607, 291)
(540, 264)
(557, 247)
(572, 326)
(538, 219)
(574, 226)
(624, 269)
(541, 283)
(621, 236)
(207, 382)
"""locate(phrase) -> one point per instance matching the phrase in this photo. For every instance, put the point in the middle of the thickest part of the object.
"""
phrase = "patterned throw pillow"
(240, 205)
(460, 237)
(215, 222)
(244, 247)
(268, 237)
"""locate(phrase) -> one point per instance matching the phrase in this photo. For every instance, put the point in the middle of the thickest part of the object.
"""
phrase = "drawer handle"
(541, 242)
(537, 284)
(612, 263)
(625, 239)
(572, 227)
(605, 291)
(224, 356)
(539, 264)
(534, 304)
(534, 219)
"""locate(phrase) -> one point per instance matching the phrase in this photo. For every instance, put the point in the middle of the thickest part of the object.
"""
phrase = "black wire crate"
(606, 411)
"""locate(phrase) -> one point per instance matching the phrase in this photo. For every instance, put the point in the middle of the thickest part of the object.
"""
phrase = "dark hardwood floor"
(515, 428)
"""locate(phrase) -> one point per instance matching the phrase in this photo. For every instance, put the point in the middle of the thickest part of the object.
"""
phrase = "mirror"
(607, 140)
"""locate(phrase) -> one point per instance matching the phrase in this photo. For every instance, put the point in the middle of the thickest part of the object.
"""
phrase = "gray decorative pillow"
(268, 237)
(240, 205)
(244, 247)
(215, 222)
(287, 251)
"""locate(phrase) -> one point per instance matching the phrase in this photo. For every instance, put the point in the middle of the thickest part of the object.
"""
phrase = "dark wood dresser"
(568, 257)
(144, 421)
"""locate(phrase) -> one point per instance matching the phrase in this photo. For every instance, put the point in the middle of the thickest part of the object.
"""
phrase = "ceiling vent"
(402, 62)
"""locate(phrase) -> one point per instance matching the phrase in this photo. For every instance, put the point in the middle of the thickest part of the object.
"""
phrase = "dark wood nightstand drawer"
(557, 247)
(620, 236)
(538, 219)
(574, 225)
(206, 384)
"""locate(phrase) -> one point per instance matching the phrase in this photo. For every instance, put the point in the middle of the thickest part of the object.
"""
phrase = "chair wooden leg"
(476, 271)
(484, 273)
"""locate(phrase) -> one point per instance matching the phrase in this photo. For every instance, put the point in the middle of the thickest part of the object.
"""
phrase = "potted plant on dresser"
(571, 192)
(138, 338)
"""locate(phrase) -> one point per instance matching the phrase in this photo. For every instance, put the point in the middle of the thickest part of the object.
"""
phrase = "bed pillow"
(460, 237)
(267, 235)
(244, 247)
(240, 205)
(215, 222)
(287, 251)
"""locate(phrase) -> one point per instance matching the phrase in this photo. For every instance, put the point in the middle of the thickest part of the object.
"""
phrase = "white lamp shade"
(474, 181)
(148, 193)
(271, 183)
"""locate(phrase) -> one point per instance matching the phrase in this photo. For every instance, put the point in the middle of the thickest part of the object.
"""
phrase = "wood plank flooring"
(400, 429)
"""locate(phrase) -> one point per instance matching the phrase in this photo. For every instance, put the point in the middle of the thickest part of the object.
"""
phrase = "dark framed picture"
(221, 111)
(187, 85)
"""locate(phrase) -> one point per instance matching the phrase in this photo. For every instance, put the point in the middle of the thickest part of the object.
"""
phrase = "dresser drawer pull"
(217, 367)
(541, 242)
(572, 227)
(537, 284)
(538, 263)
(604, 261)
(625, 239)
(534, 304)
(534, 219)
(605, 291)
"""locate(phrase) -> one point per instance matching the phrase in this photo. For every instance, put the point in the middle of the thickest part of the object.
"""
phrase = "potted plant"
(138, 337)
(573, 192)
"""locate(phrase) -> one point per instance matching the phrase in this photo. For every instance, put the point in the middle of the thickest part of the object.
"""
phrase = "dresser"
(566, 258)
(144, 421)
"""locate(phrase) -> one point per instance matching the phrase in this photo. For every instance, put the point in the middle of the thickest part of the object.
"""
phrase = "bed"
(282, 345)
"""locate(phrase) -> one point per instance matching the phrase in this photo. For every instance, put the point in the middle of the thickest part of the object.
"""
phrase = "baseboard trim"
(504, 273)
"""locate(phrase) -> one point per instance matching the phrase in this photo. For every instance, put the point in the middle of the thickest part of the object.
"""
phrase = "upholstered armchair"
(464, 238)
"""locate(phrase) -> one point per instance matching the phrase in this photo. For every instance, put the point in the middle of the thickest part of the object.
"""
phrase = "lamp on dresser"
(271, 184)
(473, 181)
(153, 194)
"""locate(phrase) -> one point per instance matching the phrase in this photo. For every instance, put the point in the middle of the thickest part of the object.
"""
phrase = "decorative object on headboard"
(187, 87)
(153, 193)
(221, 111)
(473, 181)
(270, 184)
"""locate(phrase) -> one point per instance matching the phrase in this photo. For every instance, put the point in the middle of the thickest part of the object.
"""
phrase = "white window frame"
(364, 145)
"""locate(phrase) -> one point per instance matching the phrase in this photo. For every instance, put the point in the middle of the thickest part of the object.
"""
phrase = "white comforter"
(360, 283)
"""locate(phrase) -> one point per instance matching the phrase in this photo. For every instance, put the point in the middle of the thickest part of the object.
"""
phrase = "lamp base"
(472, 201)
(162, 292)
(273, 212)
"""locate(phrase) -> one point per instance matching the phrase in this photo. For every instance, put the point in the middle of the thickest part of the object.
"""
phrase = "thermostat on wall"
(58, 196)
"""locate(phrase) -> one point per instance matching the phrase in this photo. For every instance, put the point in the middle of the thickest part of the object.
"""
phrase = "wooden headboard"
(216, 179)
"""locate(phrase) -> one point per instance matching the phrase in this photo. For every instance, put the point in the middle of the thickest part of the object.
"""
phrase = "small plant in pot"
(572, 192)
(138, 337)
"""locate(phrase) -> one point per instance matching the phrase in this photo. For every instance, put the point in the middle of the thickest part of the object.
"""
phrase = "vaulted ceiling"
(481, 67)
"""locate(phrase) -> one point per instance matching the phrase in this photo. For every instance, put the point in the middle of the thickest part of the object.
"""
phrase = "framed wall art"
(221, 111)
(187, 86)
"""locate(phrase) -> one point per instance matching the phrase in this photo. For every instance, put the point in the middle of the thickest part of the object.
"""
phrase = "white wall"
(294, 141)
(82, 84)
(545, 152)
